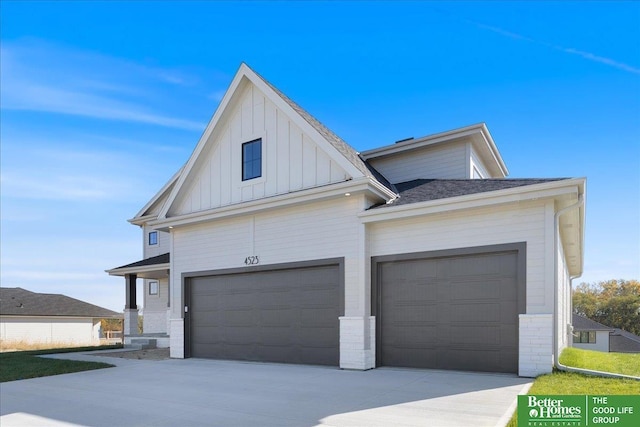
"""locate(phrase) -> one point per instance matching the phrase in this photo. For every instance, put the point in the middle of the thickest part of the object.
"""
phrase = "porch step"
(142, 343)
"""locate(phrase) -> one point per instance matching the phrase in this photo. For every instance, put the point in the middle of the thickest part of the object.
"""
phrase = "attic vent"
(403, 140)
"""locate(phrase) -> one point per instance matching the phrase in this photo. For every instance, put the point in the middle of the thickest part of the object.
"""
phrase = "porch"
(156, 302)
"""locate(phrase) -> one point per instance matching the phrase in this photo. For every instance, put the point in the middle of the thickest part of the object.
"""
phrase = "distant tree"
(614, 303)
(111, 325)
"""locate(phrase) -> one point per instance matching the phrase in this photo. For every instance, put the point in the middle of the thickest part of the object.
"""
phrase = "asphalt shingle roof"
(423, 190)
(154, 260)
(581, 323)
(624, 342)
(20, 302)
(345, 149)
(620, 341)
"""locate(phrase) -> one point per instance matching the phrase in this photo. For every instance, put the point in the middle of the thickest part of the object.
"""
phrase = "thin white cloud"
(37, 77)
(586, 55)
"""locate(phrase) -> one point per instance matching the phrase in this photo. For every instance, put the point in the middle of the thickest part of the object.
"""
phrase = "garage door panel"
(464, 315)
(284, 315)
(467, 311)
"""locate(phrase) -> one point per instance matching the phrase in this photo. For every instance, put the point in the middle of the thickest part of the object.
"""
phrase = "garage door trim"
(376, 289)
(187, 276)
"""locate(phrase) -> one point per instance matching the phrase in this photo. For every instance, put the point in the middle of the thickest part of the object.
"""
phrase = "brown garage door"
(452, 312)
(284, 315)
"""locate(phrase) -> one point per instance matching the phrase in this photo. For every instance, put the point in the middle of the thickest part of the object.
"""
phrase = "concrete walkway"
(198, 392)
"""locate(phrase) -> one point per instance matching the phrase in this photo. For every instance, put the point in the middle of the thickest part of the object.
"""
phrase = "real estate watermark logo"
(578, 411)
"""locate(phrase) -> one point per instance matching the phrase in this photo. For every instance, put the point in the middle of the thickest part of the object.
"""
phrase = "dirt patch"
(150, 354)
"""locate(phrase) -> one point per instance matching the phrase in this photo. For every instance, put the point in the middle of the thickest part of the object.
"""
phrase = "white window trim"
(157, 293)
(262, 178)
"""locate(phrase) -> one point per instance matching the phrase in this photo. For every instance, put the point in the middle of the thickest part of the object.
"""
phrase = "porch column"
(131, 307)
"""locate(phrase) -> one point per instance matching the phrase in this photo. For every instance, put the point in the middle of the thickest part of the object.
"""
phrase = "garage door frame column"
(357, 326)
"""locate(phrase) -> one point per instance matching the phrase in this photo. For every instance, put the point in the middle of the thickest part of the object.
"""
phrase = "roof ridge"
(338, 143)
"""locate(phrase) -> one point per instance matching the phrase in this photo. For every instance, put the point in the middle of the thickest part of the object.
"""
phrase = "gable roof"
(20, 302)
(423, 190)
(581, 323)
(621, 341)
(478, 134)
(338, 143)
(333, 145)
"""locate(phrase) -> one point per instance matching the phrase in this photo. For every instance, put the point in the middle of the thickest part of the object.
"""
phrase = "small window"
(252, 159)
(153, 288)
(153, 238)
(585, 337)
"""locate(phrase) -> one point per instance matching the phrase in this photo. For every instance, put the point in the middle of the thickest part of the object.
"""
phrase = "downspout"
(556, 343)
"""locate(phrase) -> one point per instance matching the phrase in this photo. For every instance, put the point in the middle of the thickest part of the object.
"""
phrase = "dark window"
(252, 159)
(585, 337)
(153, 238)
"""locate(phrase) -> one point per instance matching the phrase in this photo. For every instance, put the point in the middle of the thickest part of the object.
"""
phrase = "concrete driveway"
(198, 392)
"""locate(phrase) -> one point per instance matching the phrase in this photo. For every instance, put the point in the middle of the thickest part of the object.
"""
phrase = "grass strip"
(21, 365)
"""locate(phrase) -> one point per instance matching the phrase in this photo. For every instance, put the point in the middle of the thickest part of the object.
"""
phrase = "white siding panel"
(445, 162)
(292, 159)
(315, 231)
(523, 222)
(477, 162)
(49, 330)
(155, 307)
(154, 250)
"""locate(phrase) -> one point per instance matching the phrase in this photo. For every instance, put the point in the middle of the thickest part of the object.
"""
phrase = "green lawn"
(572, 383)
(21, 365)
(620, 363)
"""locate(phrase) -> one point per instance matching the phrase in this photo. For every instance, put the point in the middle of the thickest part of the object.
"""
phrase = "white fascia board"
(330, 191)
(493, 150)
(510, 195)
(479, 134)
(305, 126)
(246, 73)
(140, 218)
(137, 270)
(226, 99)
(411, 144)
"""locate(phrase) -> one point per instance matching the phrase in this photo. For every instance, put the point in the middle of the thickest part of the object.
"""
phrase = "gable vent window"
(252, 159)
(153, 238)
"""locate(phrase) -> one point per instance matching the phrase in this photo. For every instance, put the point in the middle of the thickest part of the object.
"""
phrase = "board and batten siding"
(49, 330)
(291, 160)
(522, 222)
(447, 161)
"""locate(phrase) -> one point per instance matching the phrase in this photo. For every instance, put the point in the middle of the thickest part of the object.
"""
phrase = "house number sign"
(252, 260)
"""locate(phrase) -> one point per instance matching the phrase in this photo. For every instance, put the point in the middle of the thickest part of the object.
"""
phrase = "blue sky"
(101, 102)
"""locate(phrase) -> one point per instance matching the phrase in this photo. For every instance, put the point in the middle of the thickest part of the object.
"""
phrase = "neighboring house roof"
(581, 323)
(20, 302)
(621, 341)
(423, 190)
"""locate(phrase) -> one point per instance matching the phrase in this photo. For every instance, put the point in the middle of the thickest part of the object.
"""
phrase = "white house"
(277, 241)
(34, 318)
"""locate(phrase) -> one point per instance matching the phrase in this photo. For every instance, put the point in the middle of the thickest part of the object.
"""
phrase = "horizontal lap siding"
(524, 222)
(445, 162)
(315, 231)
